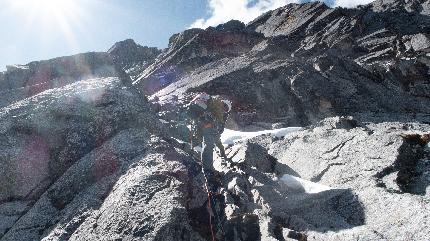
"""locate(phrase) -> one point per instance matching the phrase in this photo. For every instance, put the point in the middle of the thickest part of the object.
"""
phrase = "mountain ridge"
(376, 46)
(95, 146)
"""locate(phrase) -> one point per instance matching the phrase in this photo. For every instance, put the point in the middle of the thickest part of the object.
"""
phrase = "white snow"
(16, 67)
(229, 137)
(299, 184)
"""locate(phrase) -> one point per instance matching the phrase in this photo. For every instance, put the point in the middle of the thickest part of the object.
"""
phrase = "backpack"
(208, 110)
(216, 107)
(197, 107)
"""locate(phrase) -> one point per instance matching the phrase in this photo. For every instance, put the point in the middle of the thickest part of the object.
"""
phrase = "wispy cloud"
(222, 11)
(243, 10)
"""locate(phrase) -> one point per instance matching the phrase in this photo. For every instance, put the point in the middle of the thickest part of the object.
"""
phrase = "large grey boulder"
(42, 136)
(90, 158)
(337, 180)
(385, 165)
(135, 186)
(279, 200)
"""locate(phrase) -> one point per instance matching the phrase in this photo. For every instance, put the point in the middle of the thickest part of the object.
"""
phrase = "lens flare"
(44, 5)
(51, 16)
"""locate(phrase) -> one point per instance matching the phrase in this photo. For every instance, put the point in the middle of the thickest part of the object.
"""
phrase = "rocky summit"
(95, 146)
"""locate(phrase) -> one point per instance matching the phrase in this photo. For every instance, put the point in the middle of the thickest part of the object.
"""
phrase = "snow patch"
(230, 137)
(16, 67)
(299, 184)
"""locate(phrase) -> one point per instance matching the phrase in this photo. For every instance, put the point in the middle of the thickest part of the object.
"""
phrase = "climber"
(209, 114)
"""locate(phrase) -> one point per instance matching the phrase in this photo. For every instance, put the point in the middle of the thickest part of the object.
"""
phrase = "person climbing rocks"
(209, 114)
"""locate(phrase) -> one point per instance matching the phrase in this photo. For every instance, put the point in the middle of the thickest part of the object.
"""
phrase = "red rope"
(210, 208)
(207, 190)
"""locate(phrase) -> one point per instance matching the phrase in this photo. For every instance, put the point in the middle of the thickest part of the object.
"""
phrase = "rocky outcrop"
(69, 150)
(194, 48)
(22, 81)
(44, 135)
(314, 184)
(417, 6)
(125, 59)
(134, 186)
(133, 58)
(84, 156)
(306, 62)
(337, 180)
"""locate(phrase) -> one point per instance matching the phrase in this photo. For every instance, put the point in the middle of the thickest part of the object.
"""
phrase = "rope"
(210, 208)
(207, 190)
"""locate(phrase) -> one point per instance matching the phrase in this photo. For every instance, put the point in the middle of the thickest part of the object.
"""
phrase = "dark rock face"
(133, 58)
(193, 49)
(305, 62)
(232, 25)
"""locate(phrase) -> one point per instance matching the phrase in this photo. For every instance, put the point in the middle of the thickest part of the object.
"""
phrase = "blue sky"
(94, 26)
(42, 29)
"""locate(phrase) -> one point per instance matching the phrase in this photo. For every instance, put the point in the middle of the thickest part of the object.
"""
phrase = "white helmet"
(201, 100)
(202, 96)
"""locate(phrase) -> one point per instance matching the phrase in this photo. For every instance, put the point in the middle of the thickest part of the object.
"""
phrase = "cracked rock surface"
(94, 146)
(301, 63)
(331, 182)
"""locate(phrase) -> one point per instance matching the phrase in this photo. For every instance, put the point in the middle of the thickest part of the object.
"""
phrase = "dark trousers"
(210, 136)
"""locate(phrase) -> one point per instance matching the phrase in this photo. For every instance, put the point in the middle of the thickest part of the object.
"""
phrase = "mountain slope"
(95, 146)
(304, 62)
(131, 57)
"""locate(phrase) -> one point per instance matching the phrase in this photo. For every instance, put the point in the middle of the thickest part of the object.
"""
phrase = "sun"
(46, 8)
(46, 5)
(50, 15)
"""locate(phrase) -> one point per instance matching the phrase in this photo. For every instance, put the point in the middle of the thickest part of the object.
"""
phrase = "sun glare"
(50, 15)
(49, 7)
